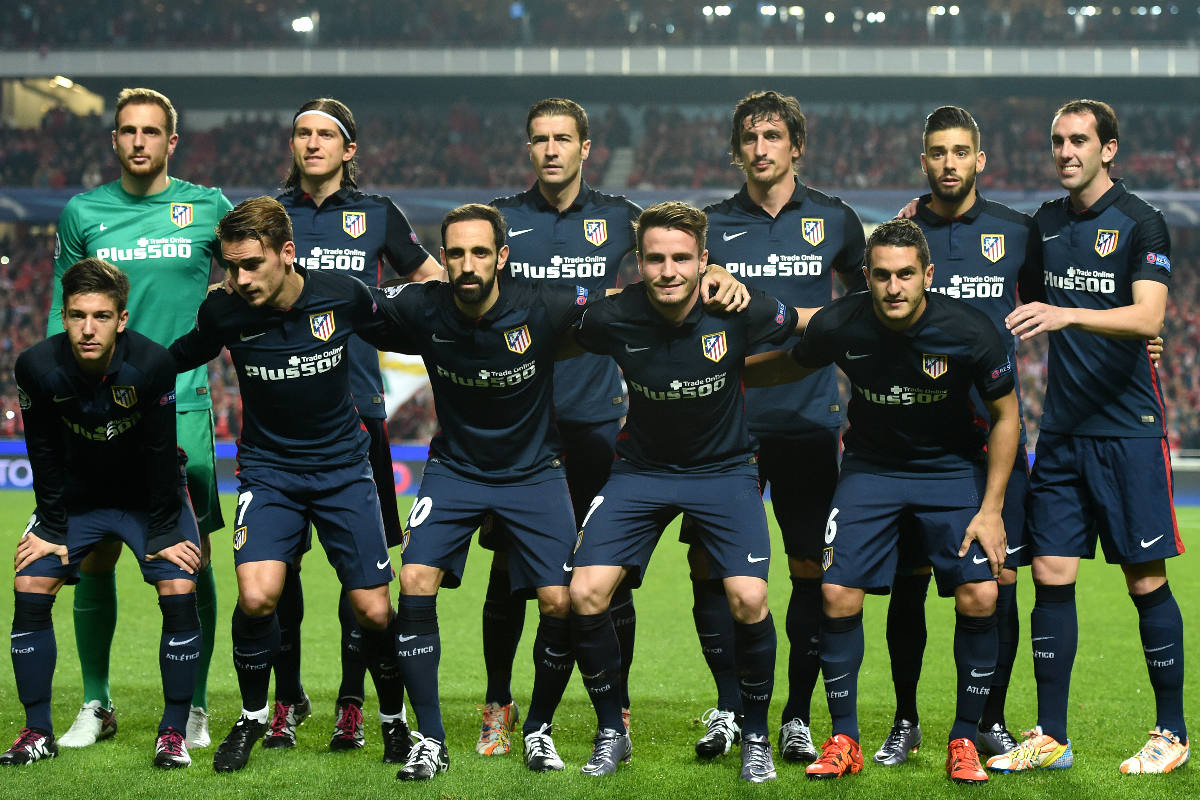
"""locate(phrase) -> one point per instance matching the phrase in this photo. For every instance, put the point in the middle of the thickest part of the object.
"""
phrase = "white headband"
(330, 117)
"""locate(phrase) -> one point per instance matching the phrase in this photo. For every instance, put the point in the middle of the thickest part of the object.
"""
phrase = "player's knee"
(587, 596)
(372, 607)
(255, 602)
(419, 579)
(1008, 577)
(748, 607)
(976, 599)
(37, 584)
(841, 601)
(554, 601)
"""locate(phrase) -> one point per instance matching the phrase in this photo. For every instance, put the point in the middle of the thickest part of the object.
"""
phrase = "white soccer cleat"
(92, 723)
(197, 729)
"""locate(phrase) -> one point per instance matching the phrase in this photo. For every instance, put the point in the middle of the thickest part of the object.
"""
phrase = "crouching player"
(98, 404)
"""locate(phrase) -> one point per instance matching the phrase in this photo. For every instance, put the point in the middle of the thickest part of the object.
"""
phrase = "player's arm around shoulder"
(1142, 319)
(778, 366)
(393, 324)
(163, 465)
(203, 342)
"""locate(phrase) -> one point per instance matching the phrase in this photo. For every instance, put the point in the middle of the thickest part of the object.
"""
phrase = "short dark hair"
(95, 276)
(1105, 116)
(146, 97)
(339, 111)
(758, 106)
(476, 211)
(559, 107)
(899, 233)
(948, 118)
(262, 218)
(672, 215)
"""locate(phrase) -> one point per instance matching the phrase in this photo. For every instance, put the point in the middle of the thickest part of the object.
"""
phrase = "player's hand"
(722, 291)
(1154, 347)
(909, 211)
(1031, 319)
(987, 528)
(32, 547)
(185, 555)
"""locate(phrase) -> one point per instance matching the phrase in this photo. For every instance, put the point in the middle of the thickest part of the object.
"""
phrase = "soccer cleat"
(93, 723)
(962, 762)
(348, 731)
(233, 753)
(1038, 751)
(904, 737)
(495, 734)
(540, 755)
(427, 758)
(795, 742)
(397, 741)
(609, 749)
(840, 755)
(31, 745)
(170, 750)
(757, 766)
(197, 729)
(722, 734)
(281, 732)
(996, 740)
(1163, 753)
(625, 716)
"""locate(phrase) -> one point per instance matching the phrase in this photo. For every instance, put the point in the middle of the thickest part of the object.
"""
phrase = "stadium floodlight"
(767, 10)
(1072, 11)
(707, 11)
(302, 24)
(1156, 10)
(954, 11)
(64, 82)
(830, 17)
(4, 260)
(796, 11)
(722, 10)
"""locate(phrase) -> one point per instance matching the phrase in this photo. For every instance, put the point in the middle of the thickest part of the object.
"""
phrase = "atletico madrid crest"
(813, 230)
(713, 345)
(518, 339)
(595, 231)
(992, 245)
(181, 214)
(1106, 241)
(322, 325)
(354, 223)
(935, 366)
(125, 396)
(239, 537)
(826, 558)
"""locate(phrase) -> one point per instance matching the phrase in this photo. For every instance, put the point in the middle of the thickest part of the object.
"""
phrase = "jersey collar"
(928, 215)
(301, 197)
(1106, 200)
(582, 199)
(747, 204)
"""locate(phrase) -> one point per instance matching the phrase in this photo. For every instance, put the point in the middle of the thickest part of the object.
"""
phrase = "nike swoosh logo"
(58, 399)
(30, 633)
(759, 683)
(709, 635)
(440, 340)
(401, 637)
(246, 338)
(172, 643)
(1146, 544)
(550, 652)
(1046, 238)
(384, 563)
(1144, 650)
(975, 674)
(1011, 550)
(979, 559)
(754, 560)
(512, 233)
(729, 237)
(566, 568)
(250, 655)
(103, 227)
(1040, 638)
(629, 349)
(838, 678)
(852, 357)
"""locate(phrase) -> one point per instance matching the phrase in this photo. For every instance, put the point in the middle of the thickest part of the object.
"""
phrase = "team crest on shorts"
(239, 537)
(1106, 241)
(813, 230)
(404, 537)
(992, 245)
(713, 345)
(934, 366)
(322, 325)
(826, 559)
(578, 542)
(124, 396)
(181, 214)
(518, 339)
(595, 231)
(23, 400)
(354, 223)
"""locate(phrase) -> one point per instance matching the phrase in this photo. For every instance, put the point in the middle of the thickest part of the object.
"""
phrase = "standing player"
(159, 230)
(98, 404)
(915, 453)
(685, 447)
(789, 240)
(337, 227)
(302, 455)
(564, 232)
(1103, 467)
(984, 253)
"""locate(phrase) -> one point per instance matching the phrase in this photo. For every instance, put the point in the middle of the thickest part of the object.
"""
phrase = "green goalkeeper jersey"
(165, 243)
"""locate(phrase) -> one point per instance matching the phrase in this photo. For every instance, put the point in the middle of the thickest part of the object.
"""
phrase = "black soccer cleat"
(397, 742)
(31, 745)
(284, 721)
(234, 752)
(427, 758)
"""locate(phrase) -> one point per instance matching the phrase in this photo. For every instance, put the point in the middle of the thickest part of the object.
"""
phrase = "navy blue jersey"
(793, 257)
(687, 411)
(987, 257)
(583, 246)
(910, 405)
(101, 444)
(354, 233)
(492, 377)
(293, 371)
(1097, 385)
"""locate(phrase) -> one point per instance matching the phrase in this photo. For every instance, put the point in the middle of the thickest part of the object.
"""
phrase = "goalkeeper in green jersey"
(161, 232)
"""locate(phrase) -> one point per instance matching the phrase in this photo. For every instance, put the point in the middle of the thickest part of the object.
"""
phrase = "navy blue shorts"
(863, 529)
(1117, 489)
(274, 509)
(627, 517)
(379, 453)
(537, 515)
(86, 529)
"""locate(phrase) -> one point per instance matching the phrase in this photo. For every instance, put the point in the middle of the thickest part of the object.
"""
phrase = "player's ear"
(1108, 153)
(349, 152)
(703, 260)
(585, 149)
(929, 276)
(980, 161)
(171, 142)
(502, 257)
(924, 165)
(442, 256)
(288, 254)
(122, 319)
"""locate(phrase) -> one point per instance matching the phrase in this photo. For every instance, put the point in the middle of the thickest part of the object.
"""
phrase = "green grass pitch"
(1111, 704)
